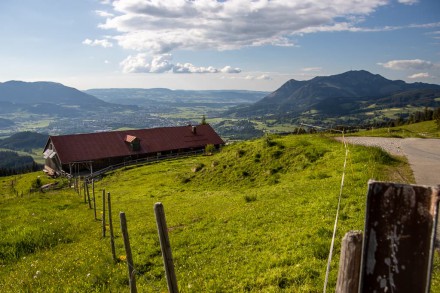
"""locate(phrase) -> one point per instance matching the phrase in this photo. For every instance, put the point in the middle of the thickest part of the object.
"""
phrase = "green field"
(256, 217)
(427, 129)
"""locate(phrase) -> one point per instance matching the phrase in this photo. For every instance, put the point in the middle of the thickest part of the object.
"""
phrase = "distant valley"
(53, 108)
(356, 98)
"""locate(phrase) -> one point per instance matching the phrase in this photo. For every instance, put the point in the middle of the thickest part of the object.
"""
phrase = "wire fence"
(142, 162)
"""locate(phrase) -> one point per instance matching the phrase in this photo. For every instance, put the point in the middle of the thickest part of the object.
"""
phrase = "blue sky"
(209, 44)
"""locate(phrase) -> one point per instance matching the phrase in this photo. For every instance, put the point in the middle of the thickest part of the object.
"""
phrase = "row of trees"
(419, 116)
(11, 164)
(426, 115)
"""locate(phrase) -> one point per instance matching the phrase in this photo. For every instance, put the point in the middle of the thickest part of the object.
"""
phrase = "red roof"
(95, 146)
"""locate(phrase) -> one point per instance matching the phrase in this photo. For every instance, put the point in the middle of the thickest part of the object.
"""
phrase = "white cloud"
(103, 43)
(230, 69)
(415, 64)
(258, 77)
(420, 75)
(160, 26)
(408, 2)
(141, 63)
(104, 13)
(264, 77)
(309, 69)
(190, 68)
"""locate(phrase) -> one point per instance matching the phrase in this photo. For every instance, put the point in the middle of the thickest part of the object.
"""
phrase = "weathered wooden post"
(94, 198)
(350, 263)
(84, 190)
(103, 213)
(110, 222)
(88, 194)
(399, 234)
(166, 248)
(129, 256)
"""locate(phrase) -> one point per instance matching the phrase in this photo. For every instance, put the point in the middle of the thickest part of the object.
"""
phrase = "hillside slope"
(45, 92)
(24, 141)
(256, 217)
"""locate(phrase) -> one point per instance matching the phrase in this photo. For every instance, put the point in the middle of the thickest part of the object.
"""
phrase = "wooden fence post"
(103, 213)
(94, 198)
(350, 263)
(110, 222)
(84, 190)
(166, 248)
(88, 194)
(398, 245)
(130, 265)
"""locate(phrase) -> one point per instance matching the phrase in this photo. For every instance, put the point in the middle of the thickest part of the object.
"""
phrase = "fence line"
(142, 161)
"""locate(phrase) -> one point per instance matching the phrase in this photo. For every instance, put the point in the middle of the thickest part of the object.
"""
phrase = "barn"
(75, 154)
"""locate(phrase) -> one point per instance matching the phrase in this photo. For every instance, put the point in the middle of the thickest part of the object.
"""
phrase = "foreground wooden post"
(166, 248)
(398, 243)
(103, 213)
(350, 263)
(130, 265)
(110, 222)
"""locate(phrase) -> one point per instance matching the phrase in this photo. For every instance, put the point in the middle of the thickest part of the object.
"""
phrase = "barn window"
(134, 142)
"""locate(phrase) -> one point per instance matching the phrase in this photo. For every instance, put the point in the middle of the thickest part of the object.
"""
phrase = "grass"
(427, 129)
(256, 217)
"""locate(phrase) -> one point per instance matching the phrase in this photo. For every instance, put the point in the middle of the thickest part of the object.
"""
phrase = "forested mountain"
(12, 163)
(30, 93)
(24, 141)
(49, 98)
(349, 93)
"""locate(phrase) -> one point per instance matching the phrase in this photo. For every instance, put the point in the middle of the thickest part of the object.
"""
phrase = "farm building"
(80, 153)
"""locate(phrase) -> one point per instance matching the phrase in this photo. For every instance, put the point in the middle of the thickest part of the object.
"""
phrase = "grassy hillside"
(256, 217)
(426, 129)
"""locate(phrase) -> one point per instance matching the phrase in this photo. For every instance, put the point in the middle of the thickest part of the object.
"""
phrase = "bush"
(37, 183)
(250, 198)
(209, 149)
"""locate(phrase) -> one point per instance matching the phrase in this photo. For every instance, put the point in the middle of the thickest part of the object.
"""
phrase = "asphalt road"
(423, 154)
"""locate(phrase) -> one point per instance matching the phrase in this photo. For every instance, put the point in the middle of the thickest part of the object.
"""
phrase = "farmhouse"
(78, 153)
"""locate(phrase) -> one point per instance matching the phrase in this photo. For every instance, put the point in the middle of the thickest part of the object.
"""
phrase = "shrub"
(37, 183)
(250, 198)
(209, 149)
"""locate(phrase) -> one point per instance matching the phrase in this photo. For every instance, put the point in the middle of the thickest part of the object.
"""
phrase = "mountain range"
(353, 97)
(47, 98)
(349, 93)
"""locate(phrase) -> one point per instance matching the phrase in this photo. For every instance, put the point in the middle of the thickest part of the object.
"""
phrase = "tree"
(203, 120)
(436, 117)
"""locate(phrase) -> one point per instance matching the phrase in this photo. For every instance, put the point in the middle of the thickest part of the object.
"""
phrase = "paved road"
(423, 154)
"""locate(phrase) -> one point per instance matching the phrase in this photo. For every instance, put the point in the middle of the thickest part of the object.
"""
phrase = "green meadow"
(426, 129)
(255, 217)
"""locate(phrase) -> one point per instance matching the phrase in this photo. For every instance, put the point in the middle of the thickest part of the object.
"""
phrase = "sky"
(216, 44)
